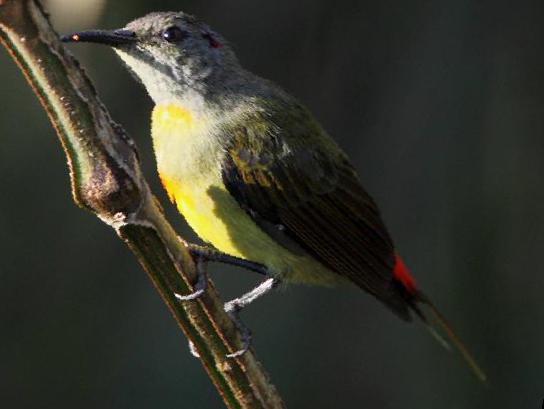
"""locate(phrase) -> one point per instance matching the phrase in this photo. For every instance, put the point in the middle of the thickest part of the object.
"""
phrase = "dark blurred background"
(441, 107)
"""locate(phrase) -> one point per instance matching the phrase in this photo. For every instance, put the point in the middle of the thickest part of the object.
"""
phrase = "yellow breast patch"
(200, 211)
(191, 175)
(169, 117)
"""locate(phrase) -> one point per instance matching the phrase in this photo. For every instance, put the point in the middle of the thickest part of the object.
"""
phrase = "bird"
(255, 174)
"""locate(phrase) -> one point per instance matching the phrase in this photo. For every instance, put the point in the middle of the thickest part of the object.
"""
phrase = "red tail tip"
(401, 274)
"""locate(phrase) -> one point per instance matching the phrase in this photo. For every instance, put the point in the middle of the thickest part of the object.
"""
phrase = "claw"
(201, 283)
(232, 308)
(190, 297)
(239, 353)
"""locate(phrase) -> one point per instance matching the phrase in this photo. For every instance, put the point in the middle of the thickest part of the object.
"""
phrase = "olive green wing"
(294, 178)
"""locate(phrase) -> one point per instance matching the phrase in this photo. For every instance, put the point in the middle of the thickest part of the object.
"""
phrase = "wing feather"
(313, 192)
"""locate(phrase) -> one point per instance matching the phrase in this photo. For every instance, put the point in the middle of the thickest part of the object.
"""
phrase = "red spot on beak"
(402, 275)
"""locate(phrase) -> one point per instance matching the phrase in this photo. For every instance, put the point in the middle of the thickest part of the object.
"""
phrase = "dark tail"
(415, 298)
(439, 320)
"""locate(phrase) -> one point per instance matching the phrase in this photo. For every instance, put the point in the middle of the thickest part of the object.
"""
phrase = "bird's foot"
(201, 280)
(201, 255)
(235, 306)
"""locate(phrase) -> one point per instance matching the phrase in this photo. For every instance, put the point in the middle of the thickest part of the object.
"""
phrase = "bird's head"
(169, 52)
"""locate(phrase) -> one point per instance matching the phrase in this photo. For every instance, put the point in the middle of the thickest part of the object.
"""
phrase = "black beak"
(109, 37)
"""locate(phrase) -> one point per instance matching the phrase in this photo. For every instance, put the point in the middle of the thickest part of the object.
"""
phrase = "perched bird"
(253, 172)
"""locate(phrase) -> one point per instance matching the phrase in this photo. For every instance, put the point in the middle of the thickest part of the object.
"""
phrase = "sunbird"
(254, 173)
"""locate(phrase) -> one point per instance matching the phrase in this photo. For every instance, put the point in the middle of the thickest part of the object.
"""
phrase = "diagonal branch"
(107, 180)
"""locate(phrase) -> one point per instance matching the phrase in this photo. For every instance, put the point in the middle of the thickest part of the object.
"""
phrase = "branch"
(107, 180)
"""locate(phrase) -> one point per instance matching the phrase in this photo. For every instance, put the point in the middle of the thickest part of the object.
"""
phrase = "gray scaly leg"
(233, 308)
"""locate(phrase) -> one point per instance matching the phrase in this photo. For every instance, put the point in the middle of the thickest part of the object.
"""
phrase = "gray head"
(171, 53)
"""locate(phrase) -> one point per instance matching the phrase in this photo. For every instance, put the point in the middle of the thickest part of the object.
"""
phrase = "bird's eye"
(174, 34)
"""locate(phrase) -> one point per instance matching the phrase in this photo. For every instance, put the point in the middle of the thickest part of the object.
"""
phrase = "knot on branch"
(113, 184)
(108, 190)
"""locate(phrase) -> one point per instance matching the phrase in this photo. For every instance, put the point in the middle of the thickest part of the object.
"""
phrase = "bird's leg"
(210, 254)
(235, 306)
(203, 254)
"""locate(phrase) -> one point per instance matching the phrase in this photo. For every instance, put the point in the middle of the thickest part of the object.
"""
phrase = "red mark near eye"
(213, 42)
